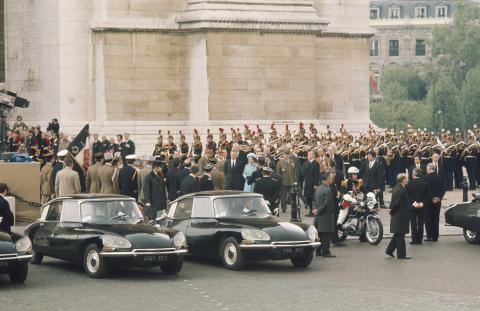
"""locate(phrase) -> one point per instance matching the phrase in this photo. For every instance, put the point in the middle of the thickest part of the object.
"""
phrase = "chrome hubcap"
(230, 254)
(471, 234)
(372, 230)
(93, 261)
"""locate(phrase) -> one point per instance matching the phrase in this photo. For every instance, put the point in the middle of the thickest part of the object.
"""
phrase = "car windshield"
(110, 212)
(241, 207)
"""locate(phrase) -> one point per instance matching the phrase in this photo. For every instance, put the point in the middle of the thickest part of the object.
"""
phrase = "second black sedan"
(100, 231)
(466, 216)
(237, 227)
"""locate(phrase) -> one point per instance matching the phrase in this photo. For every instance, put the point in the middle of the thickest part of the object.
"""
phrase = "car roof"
(219, 193)
(93, 196)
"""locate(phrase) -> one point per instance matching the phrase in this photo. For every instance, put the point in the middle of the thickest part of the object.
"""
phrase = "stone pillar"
(197, 80)
(99, 78)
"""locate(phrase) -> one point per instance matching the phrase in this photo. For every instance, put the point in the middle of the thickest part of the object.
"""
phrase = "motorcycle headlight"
(112, 241)
(179, 240)
(312, 233)
(255, 235)
(23, 245)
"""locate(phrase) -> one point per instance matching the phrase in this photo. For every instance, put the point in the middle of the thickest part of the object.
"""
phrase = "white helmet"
(353, 170)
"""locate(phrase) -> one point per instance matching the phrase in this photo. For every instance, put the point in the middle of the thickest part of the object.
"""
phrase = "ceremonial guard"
(128, 147)
(127, 179)
(205, 183)
(183, 146)
(171, 145)
(210, 143)
(159, 147)
(223, 144)
(197, 147)
(270, 188)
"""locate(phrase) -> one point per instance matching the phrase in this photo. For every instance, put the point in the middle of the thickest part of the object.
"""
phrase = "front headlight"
(312, 233)
(113, 241)
(179, 240)
(23, 245)
(255, 235)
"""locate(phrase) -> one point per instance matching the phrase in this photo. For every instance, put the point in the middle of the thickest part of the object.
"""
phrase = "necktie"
(233, 163)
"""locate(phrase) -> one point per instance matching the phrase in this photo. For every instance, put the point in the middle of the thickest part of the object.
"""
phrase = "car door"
(66, 233)
(200, 230)
(179, 215)
(44, 239)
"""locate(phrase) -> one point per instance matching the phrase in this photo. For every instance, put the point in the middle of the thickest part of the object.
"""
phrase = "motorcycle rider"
(353, 185)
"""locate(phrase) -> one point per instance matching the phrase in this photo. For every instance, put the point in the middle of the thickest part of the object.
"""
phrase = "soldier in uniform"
(159, 148)
(206, 183)
(222, 142)
(197, 148)
(205, 159)
(97, 145)
(142, 173)
(471, 153)
(128, 147)
(106, 145)
(127, 178)
(183, 146)
(106, 174)
(58, 166)
(270, 189)
(171, 145)
(92, 180)
(210, 143)
(286, 168)
(46, 175)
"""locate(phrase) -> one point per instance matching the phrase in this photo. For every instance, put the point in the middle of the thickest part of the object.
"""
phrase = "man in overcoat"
(154, 191)
(310, 179)
(324, 211)
(399, 218)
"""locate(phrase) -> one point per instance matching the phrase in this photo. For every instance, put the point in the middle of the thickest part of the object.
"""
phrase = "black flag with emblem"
(78, 148)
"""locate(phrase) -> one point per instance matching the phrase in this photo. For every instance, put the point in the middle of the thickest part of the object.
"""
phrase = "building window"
(394, 12)
(374, 13)
(374, 48)
(419, 47)
(441, 11)
(420, 12)
(393, 48)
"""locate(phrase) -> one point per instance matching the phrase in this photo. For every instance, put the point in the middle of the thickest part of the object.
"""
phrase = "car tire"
(231, 254)
(471, 237)
(37, 258)
(172, 267)
(94, 265)
(302, 262)
(18, 275)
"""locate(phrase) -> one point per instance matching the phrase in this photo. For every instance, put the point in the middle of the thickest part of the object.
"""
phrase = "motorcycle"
(362, 219)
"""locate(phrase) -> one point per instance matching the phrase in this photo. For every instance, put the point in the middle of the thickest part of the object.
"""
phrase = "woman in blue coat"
(248, 171)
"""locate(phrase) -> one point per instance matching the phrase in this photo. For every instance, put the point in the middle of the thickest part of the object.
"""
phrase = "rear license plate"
(154, 258)
(291, 250)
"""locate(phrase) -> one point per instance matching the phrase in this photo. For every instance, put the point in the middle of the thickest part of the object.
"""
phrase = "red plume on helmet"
(221, 130)
(159, 132)
(272, 127)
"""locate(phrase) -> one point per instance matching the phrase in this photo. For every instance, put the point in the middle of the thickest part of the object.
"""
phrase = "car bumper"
(11, 261)
(140, 253)
(278, 251)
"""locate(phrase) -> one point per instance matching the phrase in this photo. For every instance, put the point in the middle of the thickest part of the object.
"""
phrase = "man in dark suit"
(173, 185)
(310, 180)
(338, 164)
(418, 192)
(270, 188)
(374, 176)
(417, 163)
(434, 203)
(127, 178)
(233, 170)
(324, 211)
(184, 171)
(190, 183)
(6, 215)
(154, 191)
(399, 218)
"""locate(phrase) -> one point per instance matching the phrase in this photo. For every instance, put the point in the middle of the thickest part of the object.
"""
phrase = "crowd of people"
(270, 164)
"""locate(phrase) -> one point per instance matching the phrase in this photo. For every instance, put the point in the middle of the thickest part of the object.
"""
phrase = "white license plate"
(154, 258)
(291, 250)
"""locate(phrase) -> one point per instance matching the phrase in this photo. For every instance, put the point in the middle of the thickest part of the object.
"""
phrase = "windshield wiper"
(120, 216)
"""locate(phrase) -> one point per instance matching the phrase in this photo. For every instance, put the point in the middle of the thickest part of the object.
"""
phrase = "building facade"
(142, 65)
(403, 30)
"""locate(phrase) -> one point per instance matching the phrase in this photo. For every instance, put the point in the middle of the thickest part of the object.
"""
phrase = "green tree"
(442, 96)
(396, 114)
(409, 78)
(470, 96)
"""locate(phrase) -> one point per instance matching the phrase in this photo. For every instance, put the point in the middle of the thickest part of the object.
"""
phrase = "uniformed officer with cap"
(205, 183)
(57, 167)
(270, 188)
(127, 179)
